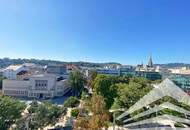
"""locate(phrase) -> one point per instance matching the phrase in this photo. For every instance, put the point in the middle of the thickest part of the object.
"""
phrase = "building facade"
(180, 71)
(127, 70)
(182, 81)
(11, 71)
(56, 69)
(38, 86)
(113, 72)
(148, 71)
(150, 75)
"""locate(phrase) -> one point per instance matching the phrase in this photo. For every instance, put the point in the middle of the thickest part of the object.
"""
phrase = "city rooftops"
(13, 67)
(43, 75)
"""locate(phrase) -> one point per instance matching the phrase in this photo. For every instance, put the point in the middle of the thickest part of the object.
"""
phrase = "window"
(41, 84)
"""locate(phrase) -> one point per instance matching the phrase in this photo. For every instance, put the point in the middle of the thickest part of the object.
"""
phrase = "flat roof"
(13, 67)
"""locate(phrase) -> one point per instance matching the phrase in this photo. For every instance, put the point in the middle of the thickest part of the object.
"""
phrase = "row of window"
(33, 94)
(41, 83)
(41, 88)
(38, 95)
(15, 92)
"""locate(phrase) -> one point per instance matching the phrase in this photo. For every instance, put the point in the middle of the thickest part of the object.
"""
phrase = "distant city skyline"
(123, 31)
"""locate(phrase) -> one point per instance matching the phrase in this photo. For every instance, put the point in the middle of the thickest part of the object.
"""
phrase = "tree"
(44, 114)
(10, 111)
(71, 102)
(1, 81)
(92, 76)
(76, 80)
(84, 95)
(33, 107)
(129, 94)
(82, 123)
(75, 113)
(104, 85)
(99, 117)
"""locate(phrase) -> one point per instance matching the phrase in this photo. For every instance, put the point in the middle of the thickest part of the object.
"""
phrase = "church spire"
(150, 62)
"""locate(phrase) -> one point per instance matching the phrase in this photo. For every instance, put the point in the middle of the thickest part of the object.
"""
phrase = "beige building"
(38, 86)
(182, 70)
(15, 88)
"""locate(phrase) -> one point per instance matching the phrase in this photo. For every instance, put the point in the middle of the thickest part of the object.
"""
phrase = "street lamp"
(114, 112)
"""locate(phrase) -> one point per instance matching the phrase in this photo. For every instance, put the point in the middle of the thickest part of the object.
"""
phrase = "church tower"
(150, 62)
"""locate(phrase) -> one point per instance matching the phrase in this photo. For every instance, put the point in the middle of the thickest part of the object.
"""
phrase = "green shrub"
(33, 107)
(74, 113)
(71, 102)
(84, 95)
(179, 125)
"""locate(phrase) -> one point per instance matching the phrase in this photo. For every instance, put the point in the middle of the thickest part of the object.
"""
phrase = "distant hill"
(7, 61)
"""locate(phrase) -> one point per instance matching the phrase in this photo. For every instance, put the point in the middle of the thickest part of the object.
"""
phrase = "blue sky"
(125, 31)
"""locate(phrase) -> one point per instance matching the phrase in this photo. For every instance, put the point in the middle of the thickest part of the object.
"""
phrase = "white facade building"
(115, 72)
(182, 71)
(11, 71)
(38, 86)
